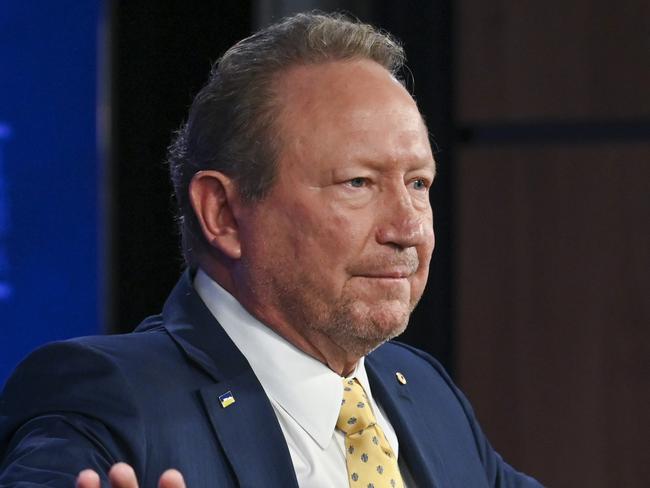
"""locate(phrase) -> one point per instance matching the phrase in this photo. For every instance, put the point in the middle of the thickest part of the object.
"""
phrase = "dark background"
(537, 300)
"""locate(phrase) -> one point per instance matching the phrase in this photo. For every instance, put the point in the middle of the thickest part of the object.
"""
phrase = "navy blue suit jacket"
(151, 398)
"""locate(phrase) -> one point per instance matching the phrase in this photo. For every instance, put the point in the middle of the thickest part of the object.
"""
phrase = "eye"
(357, 182)
(420, 184)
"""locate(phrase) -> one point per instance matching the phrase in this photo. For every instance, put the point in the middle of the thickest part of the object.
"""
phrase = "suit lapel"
(420, 450)
(249, 432)
(247, 428)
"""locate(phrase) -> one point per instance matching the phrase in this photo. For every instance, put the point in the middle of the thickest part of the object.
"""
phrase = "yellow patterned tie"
(371, 462)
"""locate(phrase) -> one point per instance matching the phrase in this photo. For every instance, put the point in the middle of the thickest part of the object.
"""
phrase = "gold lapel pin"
(226, 399)
(401, 378)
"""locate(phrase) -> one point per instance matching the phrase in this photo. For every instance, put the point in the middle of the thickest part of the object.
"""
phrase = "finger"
(87, 479)
(171, 479)
(122, 475)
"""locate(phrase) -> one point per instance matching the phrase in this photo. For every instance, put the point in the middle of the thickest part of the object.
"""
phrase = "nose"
(405, 223)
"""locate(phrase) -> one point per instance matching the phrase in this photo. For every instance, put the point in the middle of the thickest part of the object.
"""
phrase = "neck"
(311, 342)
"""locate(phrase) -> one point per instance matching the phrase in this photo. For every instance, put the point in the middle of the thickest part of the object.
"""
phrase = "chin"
(388, 318)
(394, 329)
(365, 344)
(367, 332)
(360, 326)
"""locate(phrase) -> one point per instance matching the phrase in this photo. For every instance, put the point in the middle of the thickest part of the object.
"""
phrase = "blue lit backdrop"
(49, 191)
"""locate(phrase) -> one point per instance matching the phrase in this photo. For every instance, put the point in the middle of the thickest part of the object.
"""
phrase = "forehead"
(348, 107)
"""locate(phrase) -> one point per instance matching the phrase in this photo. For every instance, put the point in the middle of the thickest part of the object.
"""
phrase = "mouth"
(393, 269)
(396, 274)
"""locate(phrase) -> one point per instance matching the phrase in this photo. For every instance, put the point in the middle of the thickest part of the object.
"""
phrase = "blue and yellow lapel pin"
(226, 399)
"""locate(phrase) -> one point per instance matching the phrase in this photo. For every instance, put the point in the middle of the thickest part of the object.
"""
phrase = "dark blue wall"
(49, 168)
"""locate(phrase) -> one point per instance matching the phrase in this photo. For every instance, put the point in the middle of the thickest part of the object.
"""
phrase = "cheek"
(321, 235)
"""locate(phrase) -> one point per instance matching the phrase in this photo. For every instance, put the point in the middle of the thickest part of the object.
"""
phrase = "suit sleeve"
(66, 408)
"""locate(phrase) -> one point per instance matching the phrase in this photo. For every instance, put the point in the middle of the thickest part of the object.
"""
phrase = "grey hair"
(230, 122)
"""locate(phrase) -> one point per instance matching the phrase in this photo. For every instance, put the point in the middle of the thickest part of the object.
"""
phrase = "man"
(302, 180)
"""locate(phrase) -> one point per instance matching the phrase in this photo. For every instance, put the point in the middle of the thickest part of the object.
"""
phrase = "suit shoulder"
(148, 338)
(93, 361)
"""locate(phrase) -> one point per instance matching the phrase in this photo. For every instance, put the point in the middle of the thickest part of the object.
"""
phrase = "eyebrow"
(429, 164)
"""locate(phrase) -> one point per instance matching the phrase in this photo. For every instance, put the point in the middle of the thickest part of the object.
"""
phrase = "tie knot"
(356, 414)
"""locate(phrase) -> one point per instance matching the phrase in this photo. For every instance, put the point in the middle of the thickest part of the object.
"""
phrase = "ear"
(212, 195)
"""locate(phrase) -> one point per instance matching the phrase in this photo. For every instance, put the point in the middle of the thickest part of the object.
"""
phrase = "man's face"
(340, 247)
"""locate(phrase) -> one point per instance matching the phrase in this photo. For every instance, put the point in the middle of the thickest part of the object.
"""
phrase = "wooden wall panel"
(553, 342)
(538, 60)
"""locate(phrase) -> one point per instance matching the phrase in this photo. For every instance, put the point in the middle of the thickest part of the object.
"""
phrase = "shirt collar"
(302, 386)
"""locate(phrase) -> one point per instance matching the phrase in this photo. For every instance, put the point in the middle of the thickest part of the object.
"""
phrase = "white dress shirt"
(305, 394)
